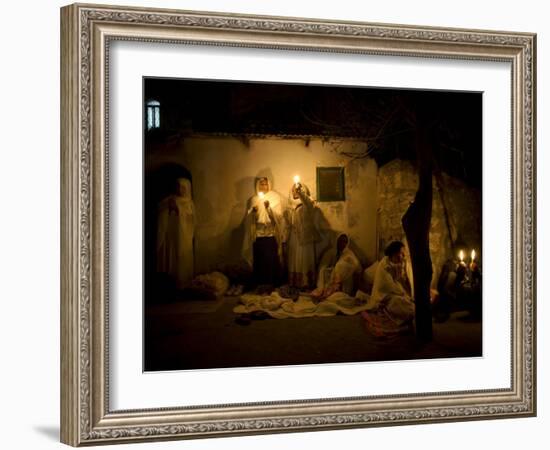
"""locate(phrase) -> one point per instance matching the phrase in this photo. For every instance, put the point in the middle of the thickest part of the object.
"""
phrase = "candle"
(261, 195)
(296, 179)
(461, 268)
(473, 265)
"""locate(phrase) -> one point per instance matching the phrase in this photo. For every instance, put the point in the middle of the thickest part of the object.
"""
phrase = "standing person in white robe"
(337, 269)
(391, 308)
(175, 232)
(264, 234)
(302, 237)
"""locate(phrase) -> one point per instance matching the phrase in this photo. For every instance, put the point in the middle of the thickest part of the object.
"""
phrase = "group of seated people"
(389, 308)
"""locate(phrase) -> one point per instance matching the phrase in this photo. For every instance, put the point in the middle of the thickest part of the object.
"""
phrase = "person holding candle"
(302, 237)
(264, 235)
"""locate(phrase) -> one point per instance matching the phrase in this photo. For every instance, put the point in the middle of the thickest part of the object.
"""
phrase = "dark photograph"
(290, 224)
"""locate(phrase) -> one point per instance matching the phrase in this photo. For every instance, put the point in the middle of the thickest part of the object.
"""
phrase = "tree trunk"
(416, 224)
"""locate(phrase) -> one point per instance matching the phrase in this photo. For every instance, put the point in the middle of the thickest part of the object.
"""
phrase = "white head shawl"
(271, 196)
(347, 262)
(183, 196)
(294, 202)
(184, 188)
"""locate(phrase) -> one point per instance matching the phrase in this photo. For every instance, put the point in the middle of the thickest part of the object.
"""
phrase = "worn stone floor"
(177, 339)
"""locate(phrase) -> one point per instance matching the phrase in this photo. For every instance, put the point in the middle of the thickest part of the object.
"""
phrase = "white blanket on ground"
(282, 308)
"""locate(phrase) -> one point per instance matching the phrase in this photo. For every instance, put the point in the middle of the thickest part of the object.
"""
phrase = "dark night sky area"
(380, 117)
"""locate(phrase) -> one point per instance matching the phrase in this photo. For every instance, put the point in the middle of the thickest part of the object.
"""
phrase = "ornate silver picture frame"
(87, 416)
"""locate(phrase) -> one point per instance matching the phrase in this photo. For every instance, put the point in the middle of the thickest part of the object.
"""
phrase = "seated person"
(391, 308)
(337, 269)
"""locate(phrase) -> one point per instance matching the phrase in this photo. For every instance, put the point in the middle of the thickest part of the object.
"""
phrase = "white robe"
(337, 269)
(389, 293)
(301, 241)
(175, 238)
(260, 224)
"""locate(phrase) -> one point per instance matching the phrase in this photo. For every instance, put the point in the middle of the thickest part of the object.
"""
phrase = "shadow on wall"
(328, 241)
(328, 235)
(237, 217)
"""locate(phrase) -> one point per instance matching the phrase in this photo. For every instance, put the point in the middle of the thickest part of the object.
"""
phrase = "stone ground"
(177, 339)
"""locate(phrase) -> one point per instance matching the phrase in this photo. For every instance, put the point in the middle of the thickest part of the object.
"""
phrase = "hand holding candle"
(461, 257)
(473, 264)
(261, 195)
(297, 184)
(460, 269)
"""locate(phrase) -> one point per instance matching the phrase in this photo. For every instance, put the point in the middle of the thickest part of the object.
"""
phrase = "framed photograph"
(277, 224)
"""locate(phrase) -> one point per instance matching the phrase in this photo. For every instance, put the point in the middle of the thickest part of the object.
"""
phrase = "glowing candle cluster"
(471, 268)
(461, 256)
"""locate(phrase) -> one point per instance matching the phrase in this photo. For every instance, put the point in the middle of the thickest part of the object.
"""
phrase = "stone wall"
(397, 184)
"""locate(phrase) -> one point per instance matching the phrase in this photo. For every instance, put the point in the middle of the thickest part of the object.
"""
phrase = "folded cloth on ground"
(282, 308)
(216, 282)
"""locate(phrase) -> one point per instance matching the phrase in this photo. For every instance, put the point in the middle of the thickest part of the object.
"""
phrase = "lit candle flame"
(261, 195)
(296, 179)
(461, 255)
(473, 255)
